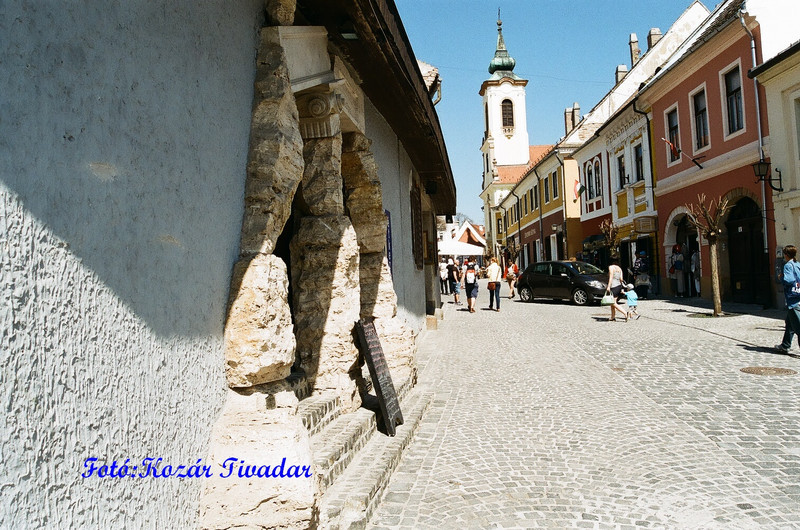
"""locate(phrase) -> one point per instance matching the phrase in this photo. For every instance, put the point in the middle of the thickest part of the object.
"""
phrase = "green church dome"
(502, 61)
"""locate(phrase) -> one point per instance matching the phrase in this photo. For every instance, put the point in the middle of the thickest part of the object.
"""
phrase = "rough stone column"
(364, 202)
(325, 264)
(325, 257)
(274, 171)
(259, 425)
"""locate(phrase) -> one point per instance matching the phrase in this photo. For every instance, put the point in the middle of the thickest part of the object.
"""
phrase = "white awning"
(459, 248)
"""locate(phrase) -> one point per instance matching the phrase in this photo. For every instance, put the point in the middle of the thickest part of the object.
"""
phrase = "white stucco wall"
(123, 142)
(395, 170)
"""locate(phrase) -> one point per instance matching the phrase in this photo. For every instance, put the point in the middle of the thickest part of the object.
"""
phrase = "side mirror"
(565, 275)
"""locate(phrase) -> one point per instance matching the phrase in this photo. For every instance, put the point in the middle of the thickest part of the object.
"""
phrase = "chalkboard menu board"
(379, 371)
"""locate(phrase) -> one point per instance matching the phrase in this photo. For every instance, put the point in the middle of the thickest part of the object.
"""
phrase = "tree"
(610, 233)
(707, 219)
(461, 217)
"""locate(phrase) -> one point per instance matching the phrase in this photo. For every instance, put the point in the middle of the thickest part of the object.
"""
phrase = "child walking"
(633, 301)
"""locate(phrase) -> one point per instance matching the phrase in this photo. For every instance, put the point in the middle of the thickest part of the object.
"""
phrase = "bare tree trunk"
(715, 292)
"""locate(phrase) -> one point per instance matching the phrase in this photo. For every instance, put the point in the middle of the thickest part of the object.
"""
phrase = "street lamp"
(761, 170)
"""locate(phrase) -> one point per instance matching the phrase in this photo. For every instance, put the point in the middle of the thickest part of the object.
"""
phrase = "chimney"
(622, 70)
(568, 123)
(633, 42)
(572, 115)
(653, 37)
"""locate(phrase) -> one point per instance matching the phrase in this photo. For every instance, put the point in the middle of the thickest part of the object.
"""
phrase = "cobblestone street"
(547, 415)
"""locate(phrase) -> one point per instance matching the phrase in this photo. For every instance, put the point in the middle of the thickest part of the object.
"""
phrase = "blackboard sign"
(379, 371)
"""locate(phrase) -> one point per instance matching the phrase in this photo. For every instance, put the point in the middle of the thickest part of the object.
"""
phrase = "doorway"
(748, 261)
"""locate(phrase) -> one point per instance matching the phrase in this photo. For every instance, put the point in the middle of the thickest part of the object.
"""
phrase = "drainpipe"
(563, 206)
(760, 133)
(541, 206)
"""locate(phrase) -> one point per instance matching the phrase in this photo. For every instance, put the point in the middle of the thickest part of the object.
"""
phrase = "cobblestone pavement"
(547, 415)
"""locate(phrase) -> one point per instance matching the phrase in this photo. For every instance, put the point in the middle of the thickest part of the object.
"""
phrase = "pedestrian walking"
(614, 286)
(471, 284)
(632, 299)
(511, 277)
(443, 283)
(454, 277)
(791, 293)
(495, 275)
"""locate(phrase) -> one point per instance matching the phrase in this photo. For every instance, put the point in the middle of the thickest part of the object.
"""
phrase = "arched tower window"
(508, 113)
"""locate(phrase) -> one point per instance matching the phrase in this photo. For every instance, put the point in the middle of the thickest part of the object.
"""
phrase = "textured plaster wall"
(123, 143)
(394, 168)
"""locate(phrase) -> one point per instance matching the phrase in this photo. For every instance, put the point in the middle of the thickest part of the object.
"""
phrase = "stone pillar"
(325, 259)
(259, 425)
(274, 172)
(364, 202)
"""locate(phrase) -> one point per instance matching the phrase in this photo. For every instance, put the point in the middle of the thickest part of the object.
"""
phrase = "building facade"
(713, 131)
(193, 222)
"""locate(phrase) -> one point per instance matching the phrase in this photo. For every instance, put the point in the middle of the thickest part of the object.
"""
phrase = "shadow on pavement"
(767, 349)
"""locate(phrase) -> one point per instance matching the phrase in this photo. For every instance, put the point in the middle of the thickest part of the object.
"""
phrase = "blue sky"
(567, 49)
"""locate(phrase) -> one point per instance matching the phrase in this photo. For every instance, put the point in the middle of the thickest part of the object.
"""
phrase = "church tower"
(505, 138)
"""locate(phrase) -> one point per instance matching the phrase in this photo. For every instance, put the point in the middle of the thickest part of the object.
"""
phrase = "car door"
(538, 278)
(559, 285)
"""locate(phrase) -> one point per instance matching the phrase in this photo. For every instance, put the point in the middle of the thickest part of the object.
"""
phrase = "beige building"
(780, 77)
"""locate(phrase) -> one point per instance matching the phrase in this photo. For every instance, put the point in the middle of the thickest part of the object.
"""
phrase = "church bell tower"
(505, 139)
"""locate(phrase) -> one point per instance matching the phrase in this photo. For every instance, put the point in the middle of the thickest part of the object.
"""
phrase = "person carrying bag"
(495, 275)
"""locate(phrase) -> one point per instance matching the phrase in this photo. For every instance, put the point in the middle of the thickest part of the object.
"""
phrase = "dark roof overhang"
(382, 57)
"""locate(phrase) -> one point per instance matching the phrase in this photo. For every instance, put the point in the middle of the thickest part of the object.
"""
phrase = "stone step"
(352, 499)
(336, 438)
(319, 411)
(335, 447)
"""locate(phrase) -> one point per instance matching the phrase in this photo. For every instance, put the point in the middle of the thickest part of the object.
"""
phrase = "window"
(554, 180)
(499, 225)
(590, 180)
(621, 171)
(638, 161)
(536, 196)
(674, 136)
(546, 188)
(525, 204)
(733, 100)
(700, 120)
(508, 113)
(598, 179)
(416, 227)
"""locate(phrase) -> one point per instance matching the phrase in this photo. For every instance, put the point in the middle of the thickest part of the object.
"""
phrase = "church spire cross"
(502, 60)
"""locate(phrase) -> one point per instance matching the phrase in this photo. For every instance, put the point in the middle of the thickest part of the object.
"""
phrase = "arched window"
(598, 176)
(508, 113)
(590, 180)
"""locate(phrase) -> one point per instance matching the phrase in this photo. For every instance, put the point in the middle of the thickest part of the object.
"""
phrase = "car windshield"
(585, 268)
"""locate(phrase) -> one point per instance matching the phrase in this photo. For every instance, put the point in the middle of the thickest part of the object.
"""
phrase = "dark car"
(567, 280)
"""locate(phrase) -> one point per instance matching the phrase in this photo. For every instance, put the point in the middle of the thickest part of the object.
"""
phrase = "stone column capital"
(319, 114)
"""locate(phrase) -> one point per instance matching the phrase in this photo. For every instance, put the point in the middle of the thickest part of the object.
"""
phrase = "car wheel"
(580, 297)
(525, 294)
